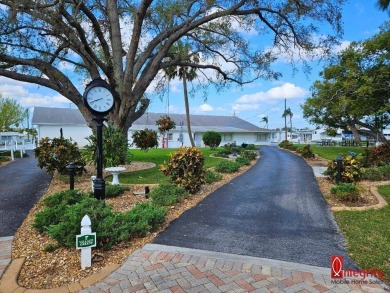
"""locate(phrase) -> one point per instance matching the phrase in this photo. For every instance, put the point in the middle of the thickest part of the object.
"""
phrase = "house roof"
(201, 122)
(67, 116)
(57, 116)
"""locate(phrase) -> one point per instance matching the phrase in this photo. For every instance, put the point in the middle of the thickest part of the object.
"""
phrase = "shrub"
(4, 159)
(251, 147)
(212, 139)
(48, 216)
(145, 139)
(62, 222)
(67, 197)
(186, 168)
(103, 220)
(8, 154)
(222, 153)
(285, 144)
(144, 217)
(351, 170)
(211, 176)
(227, 167)
(250, 155)
(243, 161)
(167, 194)
(346, 191)
(115, 190)
(377, 156)
(114, 147)
(57, 153)
(306, 152)
(376, 174)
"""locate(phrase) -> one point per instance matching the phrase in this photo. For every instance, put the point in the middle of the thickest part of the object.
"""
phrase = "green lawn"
(368, 235)
(157, 156)
(331, 152)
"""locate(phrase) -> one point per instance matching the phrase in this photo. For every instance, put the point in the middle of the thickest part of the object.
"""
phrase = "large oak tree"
(355, 90)
(127, 42)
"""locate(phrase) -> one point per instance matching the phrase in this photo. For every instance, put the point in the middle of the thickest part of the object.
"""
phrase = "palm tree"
(383, 4)
(265, 120)
(289, 113)
(185, 73)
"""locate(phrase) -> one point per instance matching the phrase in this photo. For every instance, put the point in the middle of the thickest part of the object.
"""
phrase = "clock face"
(100, 99)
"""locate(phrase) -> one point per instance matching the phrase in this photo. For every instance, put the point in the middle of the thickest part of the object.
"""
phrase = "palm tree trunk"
(187, 109)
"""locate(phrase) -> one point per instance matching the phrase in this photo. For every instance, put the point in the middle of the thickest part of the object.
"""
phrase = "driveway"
(275, 210)
(22, 183)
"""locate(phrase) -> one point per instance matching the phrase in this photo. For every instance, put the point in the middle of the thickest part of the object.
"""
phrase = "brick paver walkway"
(158, 268)
(5, 253)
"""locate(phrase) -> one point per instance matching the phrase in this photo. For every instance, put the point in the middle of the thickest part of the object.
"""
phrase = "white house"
(320, 134)
(49, 121)
(11, 136)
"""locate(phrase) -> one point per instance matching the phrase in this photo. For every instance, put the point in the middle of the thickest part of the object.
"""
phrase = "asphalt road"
(275, 210)
(22, 183)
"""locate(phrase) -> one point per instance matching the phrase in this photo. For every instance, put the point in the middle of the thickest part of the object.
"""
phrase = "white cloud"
(245, 107)
(29, 95)
(205, 108)
(286, 91)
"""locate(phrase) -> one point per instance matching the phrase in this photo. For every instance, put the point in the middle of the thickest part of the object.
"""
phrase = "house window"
(170, 136)
(227, 137)
(261, 136)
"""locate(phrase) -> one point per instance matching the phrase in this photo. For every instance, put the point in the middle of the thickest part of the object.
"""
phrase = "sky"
(251, 102)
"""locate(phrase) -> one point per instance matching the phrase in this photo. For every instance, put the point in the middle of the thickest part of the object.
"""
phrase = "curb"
(9, 281)
(374, 190)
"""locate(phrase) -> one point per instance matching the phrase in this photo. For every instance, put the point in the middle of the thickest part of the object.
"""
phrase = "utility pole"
(285, 118)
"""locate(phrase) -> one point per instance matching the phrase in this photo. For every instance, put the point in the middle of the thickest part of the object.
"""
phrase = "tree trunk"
(187, 108)
(356, 135)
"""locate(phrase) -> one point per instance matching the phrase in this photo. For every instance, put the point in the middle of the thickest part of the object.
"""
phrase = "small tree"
(145, 139)
(11, 113)
(114, 147)
(165, 123)
(57, 153)
(212, 139)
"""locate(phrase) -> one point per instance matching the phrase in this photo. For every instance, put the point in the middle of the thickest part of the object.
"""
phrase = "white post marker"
(92, 179)
(85, 241)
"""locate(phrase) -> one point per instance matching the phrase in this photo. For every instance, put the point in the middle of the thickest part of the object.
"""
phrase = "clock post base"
(99, 188)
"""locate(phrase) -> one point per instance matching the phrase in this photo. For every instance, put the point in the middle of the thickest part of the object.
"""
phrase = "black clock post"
(99, 185)
(99, 99)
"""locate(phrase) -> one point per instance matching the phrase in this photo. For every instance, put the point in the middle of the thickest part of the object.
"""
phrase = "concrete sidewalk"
(159, 268)
(5, 253)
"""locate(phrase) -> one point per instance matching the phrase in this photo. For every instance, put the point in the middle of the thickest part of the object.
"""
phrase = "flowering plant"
(165, 123)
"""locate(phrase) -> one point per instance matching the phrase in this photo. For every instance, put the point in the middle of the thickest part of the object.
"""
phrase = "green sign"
(85, 241)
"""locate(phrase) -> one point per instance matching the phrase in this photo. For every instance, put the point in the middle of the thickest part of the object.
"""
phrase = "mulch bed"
(43, 270)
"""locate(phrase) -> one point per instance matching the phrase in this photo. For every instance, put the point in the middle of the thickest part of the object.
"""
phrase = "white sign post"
(85, 241)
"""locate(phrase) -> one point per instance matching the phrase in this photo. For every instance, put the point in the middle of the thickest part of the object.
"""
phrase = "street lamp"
(99, 100)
